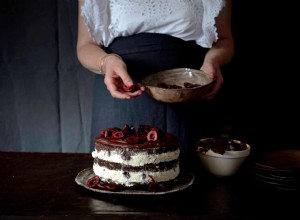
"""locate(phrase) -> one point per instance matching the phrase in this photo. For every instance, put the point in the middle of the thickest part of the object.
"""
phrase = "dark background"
(45, 94)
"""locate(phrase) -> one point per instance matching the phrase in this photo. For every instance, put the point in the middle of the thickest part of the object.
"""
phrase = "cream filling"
(139, 159)
(141, 177)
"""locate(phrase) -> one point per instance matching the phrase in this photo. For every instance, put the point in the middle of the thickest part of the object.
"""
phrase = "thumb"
(126, 79)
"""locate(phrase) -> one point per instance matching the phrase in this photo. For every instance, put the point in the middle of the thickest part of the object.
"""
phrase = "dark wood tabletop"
(42, 185)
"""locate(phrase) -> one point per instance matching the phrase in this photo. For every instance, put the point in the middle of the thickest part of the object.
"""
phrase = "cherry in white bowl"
(222, 156)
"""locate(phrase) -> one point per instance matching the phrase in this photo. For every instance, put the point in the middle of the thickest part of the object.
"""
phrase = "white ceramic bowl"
(226, 164)
(199, 82)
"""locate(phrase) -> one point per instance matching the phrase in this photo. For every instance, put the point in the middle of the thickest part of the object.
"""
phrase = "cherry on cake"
(131, 157)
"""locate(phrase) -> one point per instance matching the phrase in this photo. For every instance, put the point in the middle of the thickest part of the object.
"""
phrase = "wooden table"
(42, 185)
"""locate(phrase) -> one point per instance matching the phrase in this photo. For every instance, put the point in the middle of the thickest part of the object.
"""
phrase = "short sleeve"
(211, 10)
(96, 19)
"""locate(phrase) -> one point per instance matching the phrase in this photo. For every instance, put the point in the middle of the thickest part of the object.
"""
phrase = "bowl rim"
(228, 154)
(198, 71)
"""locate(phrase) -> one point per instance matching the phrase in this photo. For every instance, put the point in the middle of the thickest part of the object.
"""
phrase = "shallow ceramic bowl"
(226, 164)
(180, 76)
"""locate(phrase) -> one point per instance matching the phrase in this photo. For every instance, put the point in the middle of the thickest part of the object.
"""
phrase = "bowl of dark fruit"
(177, 85)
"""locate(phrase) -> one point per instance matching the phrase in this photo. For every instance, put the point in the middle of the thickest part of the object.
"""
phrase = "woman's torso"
(184, 19)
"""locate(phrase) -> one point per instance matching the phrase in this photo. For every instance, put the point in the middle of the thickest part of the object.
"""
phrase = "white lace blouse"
(185, 19)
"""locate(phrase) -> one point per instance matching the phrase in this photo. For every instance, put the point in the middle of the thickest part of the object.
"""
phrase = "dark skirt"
(145, 54)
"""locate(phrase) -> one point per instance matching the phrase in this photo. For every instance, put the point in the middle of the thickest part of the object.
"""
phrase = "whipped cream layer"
(135, 177)
(137, 158)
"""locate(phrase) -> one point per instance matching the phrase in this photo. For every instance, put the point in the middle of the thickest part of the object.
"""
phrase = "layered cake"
(135, 157)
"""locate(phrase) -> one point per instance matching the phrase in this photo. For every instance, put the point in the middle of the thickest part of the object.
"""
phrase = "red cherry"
(152, 135)
(132, 88)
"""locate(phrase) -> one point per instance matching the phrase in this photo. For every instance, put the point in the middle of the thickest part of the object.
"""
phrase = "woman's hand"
(118, 81)
(214, 72)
